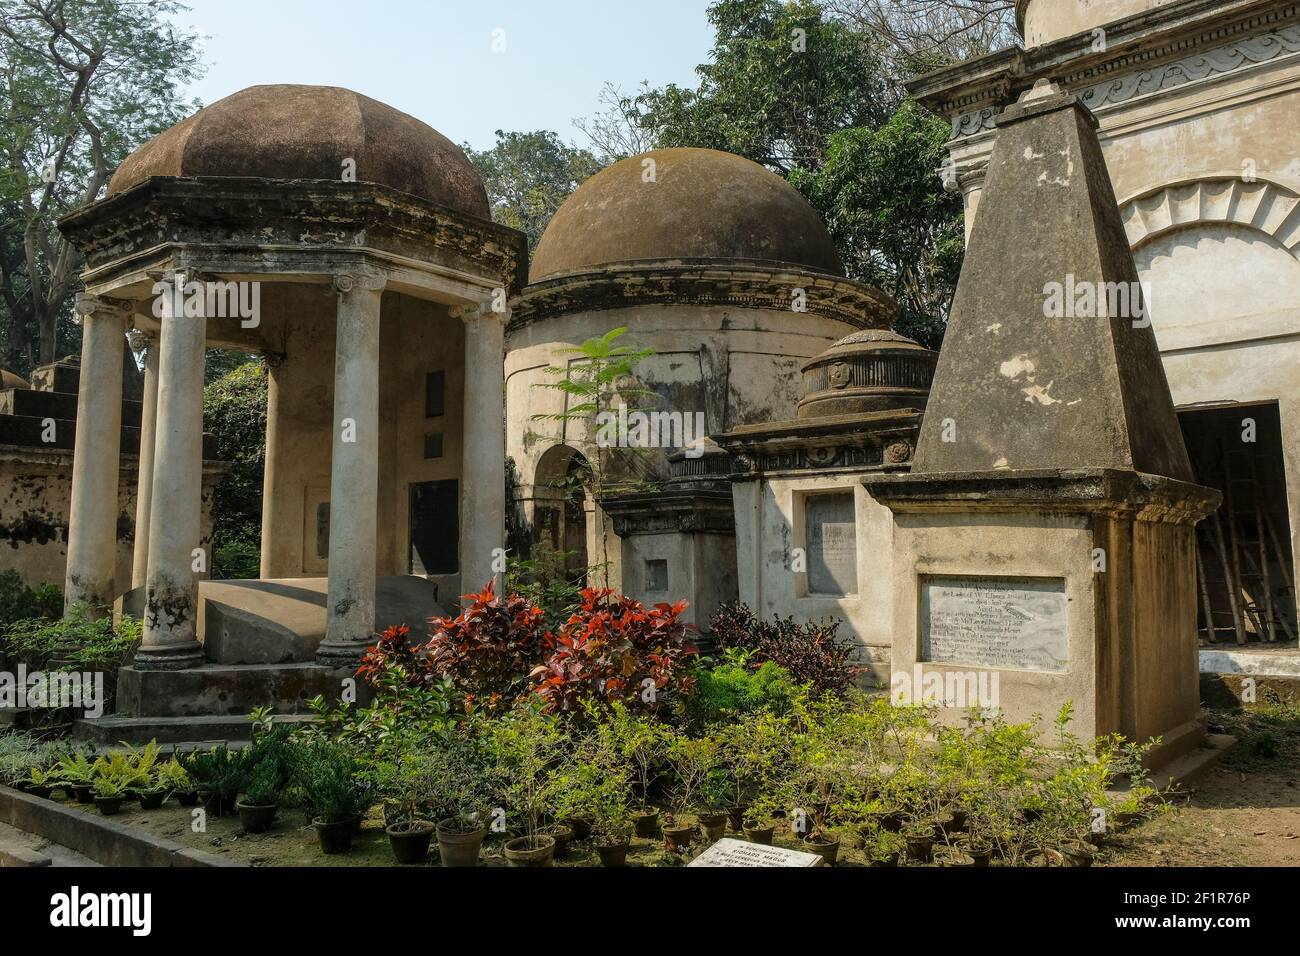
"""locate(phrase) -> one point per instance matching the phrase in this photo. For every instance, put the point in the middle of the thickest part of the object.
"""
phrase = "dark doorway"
(1245, 569)
(435, 528)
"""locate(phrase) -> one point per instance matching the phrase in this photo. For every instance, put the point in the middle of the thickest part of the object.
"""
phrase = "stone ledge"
(21, 856)
(102, 840)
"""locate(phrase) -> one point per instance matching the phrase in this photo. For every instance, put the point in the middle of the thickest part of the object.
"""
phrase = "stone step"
(172, 733)
(227, 690)
(18, 848)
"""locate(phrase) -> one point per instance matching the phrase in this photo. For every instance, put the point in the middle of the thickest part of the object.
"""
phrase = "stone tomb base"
(1025, 591)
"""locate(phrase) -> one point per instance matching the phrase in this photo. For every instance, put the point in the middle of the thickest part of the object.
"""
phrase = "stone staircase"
(260, 640)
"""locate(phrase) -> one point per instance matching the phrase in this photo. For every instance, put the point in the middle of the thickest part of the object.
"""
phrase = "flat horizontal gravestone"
(1012, 623)
(729, 852)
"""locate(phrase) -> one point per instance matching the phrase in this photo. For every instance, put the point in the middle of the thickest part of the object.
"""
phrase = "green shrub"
(18, 602)
(77, 643)
(739, 686)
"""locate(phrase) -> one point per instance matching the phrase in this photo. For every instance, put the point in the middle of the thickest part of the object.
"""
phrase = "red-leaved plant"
(393, 660)
(489, 649)
(615, 649)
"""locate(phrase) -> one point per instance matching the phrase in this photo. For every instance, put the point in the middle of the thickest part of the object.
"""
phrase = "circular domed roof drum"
(869, 371)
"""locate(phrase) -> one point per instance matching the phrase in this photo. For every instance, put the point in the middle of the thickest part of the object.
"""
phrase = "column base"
(168, 658)
(342, 655)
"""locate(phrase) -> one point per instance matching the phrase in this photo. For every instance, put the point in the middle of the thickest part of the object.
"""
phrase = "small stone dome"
(309, 132)
(10, 379)
(869, 371)
(701, 204)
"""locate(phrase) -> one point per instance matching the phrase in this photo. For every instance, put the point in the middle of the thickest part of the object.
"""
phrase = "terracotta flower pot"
(458, 847)
(827, 847)
(715, 826)
(678, 836)
(980, 854)
(581, 827)
(761, 835)
(645, 822)
(410, 841)
(920, 846)
(614, 854)
(562, 834)
(531, 851)
(335, 837)
(256, 818)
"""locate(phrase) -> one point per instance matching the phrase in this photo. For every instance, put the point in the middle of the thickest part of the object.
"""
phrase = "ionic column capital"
(88, 304)
(359, 279)
(140, 340)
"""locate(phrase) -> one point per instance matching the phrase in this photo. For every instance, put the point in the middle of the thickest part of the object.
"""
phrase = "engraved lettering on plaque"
(1007, 623)
(831, 533)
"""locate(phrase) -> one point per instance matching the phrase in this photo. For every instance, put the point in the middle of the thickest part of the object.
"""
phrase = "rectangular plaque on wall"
(830, 528)
(997, 622)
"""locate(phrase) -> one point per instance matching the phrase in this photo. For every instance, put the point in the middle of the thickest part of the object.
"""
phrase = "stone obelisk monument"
(1047, 530)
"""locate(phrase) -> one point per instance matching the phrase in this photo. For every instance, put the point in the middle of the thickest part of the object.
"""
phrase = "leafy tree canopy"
(85, 82)
(528, 176)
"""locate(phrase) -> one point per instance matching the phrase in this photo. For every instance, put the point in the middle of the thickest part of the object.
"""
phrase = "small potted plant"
(109, 794)
(758, 822)
(261, 800)
(78, 773)
(883, 847)
(642, 742)
(920, 835)
(174, 781)
(526, 746)
(408, 830)
(41, 783)
(692, 760)
(335, 802)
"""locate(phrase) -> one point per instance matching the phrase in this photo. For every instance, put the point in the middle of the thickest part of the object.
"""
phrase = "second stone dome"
(684, 204)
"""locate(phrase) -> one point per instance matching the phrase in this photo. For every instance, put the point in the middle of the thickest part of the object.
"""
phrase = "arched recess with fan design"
(1220, 259)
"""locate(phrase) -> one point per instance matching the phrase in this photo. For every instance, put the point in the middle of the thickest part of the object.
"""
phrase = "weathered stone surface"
(1015, 388)
(290, 131)
(701, 204)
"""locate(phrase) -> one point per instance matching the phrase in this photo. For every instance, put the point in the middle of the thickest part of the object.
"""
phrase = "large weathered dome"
(700, 204)
(311, 132)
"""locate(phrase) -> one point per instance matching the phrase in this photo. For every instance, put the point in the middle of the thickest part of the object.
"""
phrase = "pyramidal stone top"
(1049, 361)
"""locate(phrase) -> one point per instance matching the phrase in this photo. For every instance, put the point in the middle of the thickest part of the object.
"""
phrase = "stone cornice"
(234, 218)
(668, 511)
(740, 283)
(868, 441)
(1152, 51)
(1105, 491)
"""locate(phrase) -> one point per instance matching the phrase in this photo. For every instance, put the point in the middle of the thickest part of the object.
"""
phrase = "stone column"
(483, 468)
(175, 526)
(354, 473)
(268, 566)
(92, 518)
(148, 344)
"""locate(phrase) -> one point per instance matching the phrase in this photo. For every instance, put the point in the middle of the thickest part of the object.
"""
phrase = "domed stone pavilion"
(719, 268)
(352, 246)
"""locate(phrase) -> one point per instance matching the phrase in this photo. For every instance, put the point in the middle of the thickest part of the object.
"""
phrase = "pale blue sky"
(434, 58)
